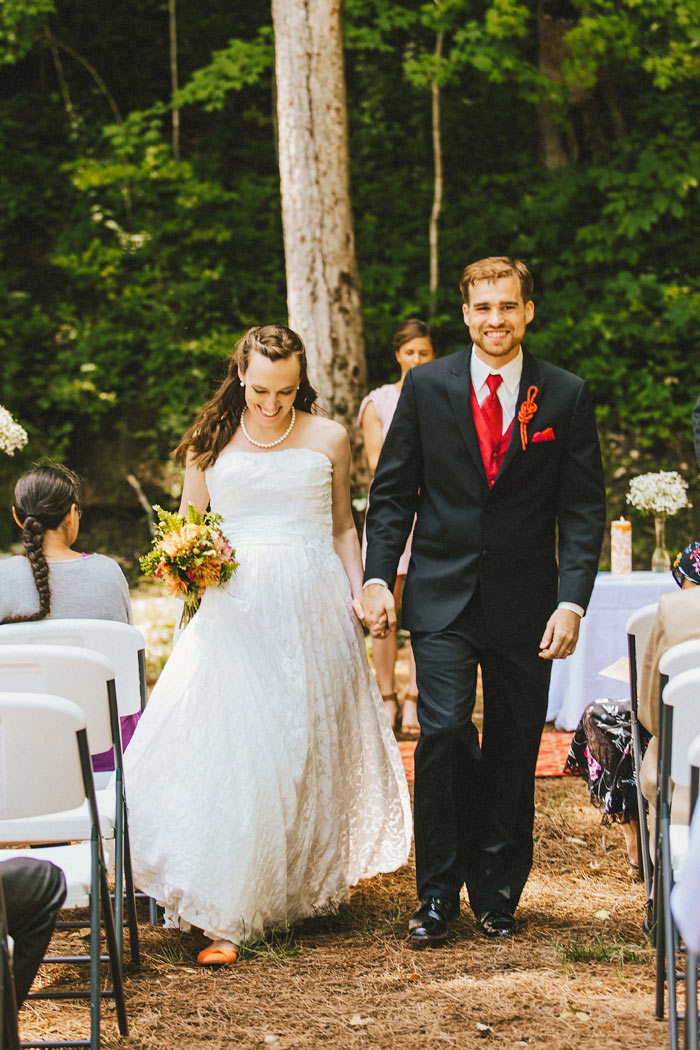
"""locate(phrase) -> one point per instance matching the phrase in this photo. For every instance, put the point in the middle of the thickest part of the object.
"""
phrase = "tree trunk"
(323, 288)
(172, 34)
(554, 148)
(437, 180)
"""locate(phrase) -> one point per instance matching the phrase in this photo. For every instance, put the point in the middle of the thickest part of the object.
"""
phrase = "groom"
(497, 453)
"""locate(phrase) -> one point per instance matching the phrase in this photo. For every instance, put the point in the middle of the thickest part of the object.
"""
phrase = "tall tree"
(323, 288)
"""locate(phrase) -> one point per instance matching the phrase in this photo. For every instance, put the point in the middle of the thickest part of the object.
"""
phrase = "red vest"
(492, 457)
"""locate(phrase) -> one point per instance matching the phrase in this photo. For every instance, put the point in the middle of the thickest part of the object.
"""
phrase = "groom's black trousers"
(474, 805)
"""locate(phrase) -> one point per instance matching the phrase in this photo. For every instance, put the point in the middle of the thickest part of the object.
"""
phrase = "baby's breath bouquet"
(662, 494)
(12, 435)
(189, 554)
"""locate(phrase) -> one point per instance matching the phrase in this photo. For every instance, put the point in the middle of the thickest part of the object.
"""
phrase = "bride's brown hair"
(217, 421)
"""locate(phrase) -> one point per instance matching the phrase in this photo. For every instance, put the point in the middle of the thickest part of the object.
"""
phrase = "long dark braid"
(43, 497)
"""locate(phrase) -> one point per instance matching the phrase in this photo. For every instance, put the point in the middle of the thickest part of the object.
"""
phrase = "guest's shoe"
(648, 928)
(498, 923)
(428, 926)
(409, 717)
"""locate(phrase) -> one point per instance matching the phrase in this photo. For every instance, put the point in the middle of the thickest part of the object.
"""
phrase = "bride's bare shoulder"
(325, 435)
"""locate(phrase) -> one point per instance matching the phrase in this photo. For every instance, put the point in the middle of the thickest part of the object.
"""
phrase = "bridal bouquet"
(12, 435)
(189, 554)
(662, 494)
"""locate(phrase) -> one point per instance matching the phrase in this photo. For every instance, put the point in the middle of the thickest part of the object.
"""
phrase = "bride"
(263, 780)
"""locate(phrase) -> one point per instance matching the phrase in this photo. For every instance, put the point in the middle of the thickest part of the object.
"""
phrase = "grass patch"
(277, 944)
(578, 952)
(173, 953)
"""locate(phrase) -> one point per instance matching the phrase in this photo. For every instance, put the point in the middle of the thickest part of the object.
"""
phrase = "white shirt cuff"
(574, 608)
(375, 579)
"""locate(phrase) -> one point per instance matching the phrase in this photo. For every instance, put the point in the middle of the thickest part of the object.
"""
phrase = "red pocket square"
(543, 435)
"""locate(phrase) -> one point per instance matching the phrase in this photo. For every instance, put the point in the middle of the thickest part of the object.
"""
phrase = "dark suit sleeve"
(581, 505)
(393, 497)
(696, 430)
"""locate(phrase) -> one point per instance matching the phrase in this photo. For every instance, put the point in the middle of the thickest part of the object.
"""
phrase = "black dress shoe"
(428, 927)
(498, 923)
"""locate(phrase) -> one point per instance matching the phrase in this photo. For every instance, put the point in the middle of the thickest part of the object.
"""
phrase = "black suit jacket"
(502, 539)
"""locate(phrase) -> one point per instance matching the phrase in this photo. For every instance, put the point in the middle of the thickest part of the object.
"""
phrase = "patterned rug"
(554, 747)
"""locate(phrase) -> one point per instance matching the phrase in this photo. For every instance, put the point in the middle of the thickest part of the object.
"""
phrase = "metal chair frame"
(101, 914)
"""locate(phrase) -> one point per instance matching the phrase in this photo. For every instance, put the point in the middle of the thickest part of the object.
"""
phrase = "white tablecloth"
(576, 681)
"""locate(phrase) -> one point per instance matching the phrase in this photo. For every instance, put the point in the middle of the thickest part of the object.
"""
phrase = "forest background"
(141, 234)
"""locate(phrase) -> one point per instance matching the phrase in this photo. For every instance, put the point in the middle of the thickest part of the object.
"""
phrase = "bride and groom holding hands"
(263, 780)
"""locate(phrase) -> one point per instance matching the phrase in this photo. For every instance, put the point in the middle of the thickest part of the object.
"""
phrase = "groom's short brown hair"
(491, 269)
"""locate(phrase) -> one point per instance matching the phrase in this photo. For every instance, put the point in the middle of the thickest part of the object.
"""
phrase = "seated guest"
(601, 747)
(51, 579)
(677, 620)
(34, 890)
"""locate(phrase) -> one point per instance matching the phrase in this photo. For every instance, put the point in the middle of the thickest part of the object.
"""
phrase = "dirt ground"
(580, 973)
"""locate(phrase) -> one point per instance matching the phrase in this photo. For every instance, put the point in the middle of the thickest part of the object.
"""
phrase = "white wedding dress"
(263, 779)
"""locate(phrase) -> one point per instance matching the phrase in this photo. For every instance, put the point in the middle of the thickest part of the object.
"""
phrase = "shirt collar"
(510, 373)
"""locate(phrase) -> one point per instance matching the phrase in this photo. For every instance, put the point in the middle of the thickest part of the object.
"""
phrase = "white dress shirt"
(508, 396)
(507, 392)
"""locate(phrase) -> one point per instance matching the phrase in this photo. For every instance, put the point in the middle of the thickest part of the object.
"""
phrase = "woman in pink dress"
(413, 345)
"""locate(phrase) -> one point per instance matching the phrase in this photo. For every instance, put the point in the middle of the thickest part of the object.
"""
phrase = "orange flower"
(185, 538)
(207, 574)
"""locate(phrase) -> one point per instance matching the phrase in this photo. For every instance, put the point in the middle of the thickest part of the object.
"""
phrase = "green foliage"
(128, 273)
(20, 24)
(239, 65)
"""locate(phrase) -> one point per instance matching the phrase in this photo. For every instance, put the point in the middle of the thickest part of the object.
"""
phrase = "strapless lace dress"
(263, 780)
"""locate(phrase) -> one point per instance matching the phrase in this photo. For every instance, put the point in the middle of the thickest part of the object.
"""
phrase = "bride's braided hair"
(43, 497)
(217, 421)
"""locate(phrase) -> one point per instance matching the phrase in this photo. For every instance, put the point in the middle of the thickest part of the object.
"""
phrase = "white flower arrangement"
(662, 494)
(12, 435)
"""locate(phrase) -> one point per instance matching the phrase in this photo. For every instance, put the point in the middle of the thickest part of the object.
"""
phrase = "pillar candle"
(620, 547)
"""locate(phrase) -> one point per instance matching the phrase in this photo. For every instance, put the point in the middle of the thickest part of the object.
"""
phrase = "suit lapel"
(459, 391)
(530, 377)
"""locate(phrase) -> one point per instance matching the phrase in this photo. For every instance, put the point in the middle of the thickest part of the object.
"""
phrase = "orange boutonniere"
(526, 412)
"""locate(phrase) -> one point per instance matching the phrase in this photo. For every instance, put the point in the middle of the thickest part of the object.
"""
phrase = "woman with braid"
(51, 579)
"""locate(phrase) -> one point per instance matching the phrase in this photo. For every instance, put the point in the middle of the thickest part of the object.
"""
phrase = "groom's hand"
(560, 635)
(378, 607)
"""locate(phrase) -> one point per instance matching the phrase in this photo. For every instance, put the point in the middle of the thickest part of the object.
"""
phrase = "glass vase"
(660, 559)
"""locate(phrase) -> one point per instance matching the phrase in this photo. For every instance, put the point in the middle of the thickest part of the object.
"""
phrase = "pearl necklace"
(267, 444)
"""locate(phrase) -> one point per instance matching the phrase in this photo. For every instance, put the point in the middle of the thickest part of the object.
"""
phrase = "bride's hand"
(358, 610)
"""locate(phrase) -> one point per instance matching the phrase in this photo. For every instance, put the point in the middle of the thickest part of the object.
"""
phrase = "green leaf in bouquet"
(193, 515)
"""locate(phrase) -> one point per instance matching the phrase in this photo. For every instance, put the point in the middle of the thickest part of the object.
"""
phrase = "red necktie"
(492, 410)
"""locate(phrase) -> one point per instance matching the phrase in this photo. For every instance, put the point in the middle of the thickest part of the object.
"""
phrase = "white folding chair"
(688, 885)
(122, 644)
(45, 769)
(638, 631)
(679, 723)
(86, 678)
(125, 648)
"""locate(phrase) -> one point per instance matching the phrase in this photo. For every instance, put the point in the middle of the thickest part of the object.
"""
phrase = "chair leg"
(152, 911)
(9, 1033)
(691, 1001)
(95, 945)
(658, 934)
(115, 957)
(669, 937)
(643, 828)
(130, 896)
(119, 863)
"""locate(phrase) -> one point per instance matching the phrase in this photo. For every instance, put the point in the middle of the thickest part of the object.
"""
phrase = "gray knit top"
(89, 588)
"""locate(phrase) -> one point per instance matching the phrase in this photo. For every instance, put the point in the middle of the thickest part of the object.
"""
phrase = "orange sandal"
(217, 956)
